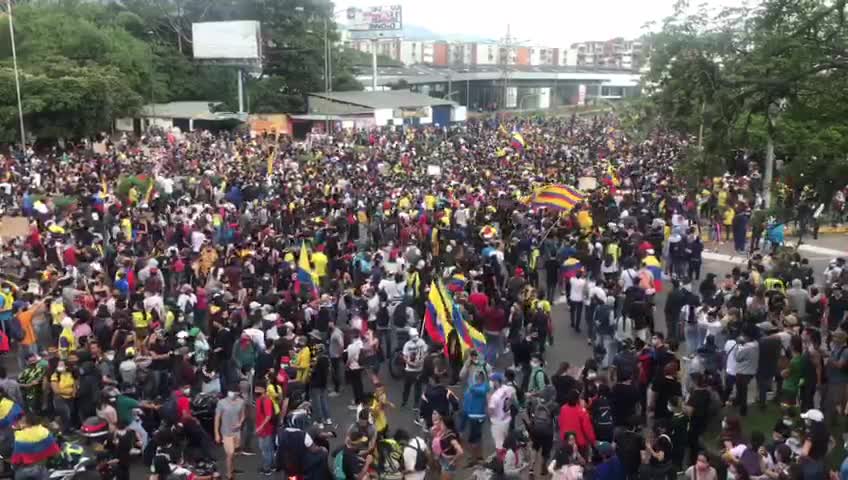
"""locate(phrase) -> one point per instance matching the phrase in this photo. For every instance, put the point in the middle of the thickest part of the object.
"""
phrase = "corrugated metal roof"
(384, 99)
(194, 110)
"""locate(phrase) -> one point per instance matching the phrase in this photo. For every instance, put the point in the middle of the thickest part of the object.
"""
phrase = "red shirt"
(69, 256)
(183, 405)
(264, 409)
(576, 420)
(480, 301)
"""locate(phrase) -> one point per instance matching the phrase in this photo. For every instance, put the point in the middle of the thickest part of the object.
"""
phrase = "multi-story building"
(416, 52)
(484, 53)
(544, 56)
(616, 52)
(389, 47)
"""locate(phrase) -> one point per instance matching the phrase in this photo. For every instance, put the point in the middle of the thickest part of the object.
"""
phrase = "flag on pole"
(436, 320)
(517, 141)
(148, 196)
(558, 197)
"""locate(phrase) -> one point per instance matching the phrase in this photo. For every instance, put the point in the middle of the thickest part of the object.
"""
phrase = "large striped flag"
(517, 141)
(436, 320)
(653, 265)
(33, 445)
(306, 278)
(558, 197)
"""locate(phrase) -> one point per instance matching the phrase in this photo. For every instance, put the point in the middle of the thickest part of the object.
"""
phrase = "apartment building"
(544, 56)
(616, 52)
(389, 47)
(416, 52)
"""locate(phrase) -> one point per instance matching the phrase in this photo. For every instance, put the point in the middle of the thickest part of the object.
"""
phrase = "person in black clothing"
(563, 382)
(119, 444)
(318, 385)
(698, 408)
(662, 391)
(675, 302)
(629, 445)
(437, 398)
(625, 401)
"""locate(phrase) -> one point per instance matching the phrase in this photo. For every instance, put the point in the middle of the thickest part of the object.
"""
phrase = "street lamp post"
(17, 74)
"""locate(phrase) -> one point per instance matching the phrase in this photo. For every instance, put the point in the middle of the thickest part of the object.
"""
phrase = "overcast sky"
(542, 22)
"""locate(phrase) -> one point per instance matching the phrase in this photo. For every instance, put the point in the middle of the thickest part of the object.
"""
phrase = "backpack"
(390, 454)
(542, 421)
(383, 316)
(399, 315)
(338, 467)
(14, 329)
(169, 410)
(422, 458)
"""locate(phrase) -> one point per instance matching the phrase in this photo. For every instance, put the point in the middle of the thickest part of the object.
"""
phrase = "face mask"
(110, 357)
(60, 369)
(731, 475)
(231, 395)
(186, 391)
(724, 424)
(181, 341)
(535, 364)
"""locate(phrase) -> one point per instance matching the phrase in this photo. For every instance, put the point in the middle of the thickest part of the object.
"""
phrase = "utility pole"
(505, 58)
(17, 75)
(374, 64)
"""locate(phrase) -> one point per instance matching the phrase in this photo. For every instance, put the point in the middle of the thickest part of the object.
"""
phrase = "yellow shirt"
(403, 203)
(302, 363)
(65, 384)
(320, 260)
(275, 393)
(728, 216)
(126, 226)
(380, 422)
(722, 198)
(584, 219)
(57, 311)
(429, 202)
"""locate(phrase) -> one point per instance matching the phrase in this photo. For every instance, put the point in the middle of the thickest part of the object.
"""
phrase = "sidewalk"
(829, 245)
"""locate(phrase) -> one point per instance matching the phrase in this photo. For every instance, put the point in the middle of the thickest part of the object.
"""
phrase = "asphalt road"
(567, 346)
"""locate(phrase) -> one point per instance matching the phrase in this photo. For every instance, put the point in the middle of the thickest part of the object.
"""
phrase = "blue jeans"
(32, 472)
(320, 404)
(610, 346)
(692, 332)
(493, 347)
(266, 447)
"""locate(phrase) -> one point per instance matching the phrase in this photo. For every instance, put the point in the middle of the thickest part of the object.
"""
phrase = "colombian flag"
(653, 265)
(305, 276)
(457, 283)
(517, 141)
(558, 197)
(33, 445)
(570, 267)
(10, 412)
(436, 320)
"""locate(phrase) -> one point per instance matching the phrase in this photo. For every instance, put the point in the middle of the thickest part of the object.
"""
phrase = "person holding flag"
(306, 280)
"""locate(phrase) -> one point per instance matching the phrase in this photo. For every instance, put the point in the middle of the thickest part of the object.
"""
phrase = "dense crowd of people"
(181, 292)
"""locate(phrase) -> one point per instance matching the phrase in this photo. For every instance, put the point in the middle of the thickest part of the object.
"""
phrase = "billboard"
(236, 40)
(581, 95)
(374, 19)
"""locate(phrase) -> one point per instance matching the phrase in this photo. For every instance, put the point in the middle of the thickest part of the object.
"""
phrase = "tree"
(79, 70)
(770, 74)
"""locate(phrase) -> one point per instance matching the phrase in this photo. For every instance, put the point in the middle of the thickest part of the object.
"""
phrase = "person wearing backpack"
(601, 414)
(415, 455)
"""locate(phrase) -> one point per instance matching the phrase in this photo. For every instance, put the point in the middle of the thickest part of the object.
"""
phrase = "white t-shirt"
(730, 348)
(578, 285)
(414, 352)
(197, 238)
(410, 454)
(353, 354)
(629, 278)
(499, 404)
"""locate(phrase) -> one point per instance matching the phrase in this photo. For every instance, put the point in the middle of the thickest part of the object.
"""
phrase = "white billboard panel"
(236, 40)
(544, 98)
(374, 19)
(581, 95)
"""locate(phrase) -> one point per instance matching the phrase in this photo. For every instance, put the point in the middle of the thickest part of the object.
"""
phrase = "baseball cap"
(813, 415)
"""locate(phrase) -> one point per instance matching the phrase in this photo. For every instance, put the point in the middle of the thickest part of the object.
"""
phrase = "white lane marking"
(720, 257)
(823, 251)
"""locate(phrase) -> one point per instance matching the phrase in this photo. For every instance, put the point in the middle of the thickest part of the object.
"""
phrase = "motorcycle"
(84, 464)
